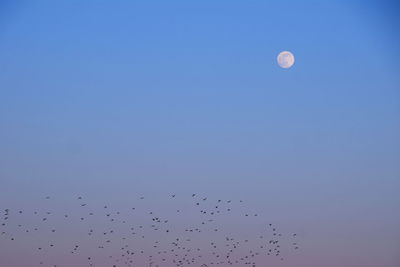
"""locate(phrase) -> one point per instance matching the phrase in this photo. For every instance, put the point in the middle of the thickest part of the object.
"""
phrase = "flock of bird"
(187, 230)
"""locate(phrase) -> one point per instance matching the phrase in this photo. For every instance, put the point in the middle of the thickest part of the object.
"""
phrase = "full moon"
(285, 59)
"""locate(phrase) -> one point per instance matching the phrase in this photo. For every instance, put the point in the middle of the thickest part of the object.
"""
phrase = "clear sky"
(113, 98)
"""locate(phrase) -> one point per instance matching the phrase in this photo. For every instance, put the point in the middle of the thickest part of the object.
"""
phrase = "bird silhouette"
(186, 231)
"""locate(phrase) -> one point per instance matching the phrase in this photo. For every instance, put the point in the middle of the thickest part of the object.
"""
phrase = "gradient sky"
(111, 99)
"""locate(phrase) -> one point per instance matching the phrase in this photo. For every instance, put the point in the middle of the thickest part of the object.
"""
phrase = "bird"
(181, 238)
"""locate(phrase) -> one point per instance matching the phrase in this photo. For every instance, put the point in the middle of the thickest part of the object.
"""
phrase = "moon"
(285, 59)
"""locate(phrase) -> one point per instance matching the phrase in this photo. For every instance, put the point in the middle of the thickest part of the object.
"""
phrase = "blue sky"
(113, 97)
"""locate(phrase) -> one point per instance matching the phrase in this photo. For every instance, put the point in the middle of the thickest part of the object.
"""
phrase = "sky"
(114, 99)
